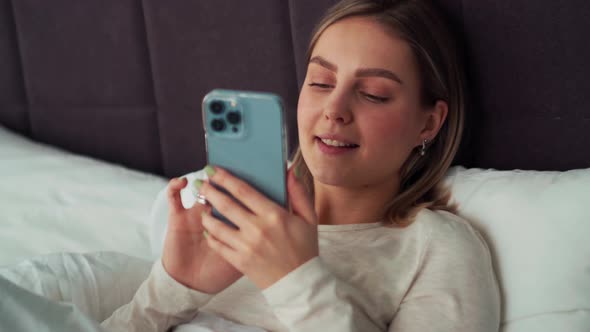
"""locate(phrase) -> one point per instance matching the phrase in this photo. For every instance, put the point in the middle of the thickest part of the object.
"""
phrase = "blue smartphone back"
(245, 134)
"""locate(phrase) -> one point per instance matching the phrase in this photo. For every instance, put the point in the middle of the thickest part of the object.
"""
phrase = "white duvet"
(75, 239)
(74, 292)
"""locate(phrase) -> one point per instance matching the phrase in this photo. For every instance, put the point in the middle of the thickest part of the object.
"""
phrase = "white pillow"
(538, 227)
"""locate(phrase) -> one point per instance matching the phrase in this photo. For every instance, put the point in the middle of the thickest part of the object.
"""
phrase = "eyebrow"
(362, 72)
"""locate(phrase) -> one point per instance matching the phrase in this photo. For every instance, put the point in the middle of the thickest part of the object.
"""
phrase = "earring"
(423, 150)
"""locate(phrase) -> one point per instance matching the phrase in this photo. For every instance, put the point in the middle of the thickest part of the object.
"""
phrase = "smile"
(330, 146)
(332, 142)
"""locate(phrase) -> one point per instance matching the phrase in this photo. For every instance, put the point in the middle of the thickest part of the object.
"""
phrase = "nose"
(338, 109)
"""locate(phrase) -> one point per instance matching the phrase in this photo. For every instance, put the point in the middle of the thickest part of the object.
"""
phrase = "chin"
(327, 171)
(331, 176)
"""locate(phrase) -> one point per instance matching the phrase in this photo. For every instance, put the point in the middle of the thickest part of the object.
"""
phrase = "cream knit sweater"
(434, 275)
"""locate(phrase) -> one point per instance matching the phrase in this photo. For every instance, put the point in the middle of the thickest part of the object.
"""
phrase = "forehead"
(362, 42)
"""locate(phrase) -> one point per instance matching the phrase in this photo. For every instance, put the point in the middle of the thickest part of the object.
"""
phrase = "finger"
(226, 252)
(194, 217)
(243, 192)
(227, 206)
(197, 209)
(229, 236)
(300, 200)
(173, 194)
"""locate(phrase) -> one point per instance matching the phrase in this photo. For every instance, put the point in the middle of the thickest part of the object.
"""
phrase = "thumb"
(300, 200)
(173, 194)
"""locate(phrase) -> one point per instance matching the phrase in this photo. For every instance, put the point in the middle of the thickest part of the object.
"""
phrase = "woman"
(380, 117)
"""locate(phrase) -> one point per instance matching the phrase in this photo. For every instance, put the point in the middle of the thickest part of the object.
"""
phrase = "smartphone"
(245, 133)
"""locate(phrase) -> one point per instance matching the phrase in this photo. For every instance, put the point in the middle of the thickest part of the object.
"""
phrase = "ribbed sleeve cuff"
(159, 304)
(174, 294)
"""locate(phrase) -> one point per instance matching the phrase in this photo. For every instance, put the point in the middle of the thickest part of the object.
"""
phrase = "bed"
(99, 106)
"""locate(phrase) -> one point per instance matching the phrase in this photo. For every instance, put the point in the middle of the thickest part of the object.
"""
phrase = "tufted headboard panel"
(122, 80)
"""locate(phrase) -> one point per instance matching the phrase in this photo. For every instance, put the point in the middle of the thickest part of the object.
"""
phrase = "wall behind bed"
(122, 80)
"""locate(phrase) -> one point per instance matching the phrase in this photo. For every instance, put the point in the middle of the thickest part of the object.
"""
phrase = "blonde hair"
(419, 24)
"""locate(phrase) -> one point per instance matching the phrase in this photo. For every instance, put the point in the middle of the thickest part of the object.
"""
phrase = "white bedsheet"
(54, 201)
(73, 292)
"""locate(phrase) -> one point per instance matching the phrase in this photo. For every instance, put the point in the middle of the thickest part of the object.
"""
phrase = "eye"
(375, 99)
(320, 85)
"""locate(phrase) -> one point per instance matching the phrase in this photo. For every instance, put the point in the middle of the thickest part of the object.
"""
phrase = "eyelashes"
(375, 99)
(321, 85)
(370, 97)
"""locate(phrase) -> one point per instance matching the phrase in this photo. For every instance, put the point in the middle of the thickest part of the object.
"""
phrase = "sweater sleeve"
(159, 304)
(311, 298)
(455, 288)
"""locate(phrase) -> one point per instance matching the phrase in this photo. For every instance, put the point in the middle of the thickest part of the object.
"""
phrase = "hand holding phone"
(246, 140)
(271, 241)
(187, 258)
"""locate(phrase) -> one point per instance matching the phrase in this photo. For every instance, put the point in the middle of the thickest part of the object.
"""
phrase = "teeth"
(332, 142)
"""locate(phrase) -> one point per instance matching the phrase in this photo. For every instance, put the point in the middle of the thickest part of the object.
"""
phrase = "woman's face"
(359, 112)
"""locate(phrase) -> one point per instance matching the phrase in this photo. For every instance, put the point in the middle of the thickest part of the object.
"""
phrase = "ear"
(435, 118)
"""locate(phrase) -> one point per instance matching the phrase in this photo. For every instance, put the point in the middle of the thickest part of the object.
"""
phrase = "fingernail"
(205, 234)
(209, 170)
(198, 184)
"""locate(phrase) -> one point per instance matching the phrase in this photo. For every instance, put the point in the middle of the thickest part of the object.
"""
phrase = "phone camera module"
(234, 117)
(216, 107)
(218, 125)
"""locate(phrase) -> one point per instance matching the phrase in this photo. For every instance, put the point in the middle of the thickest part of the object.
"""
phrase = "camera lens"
(216, 107)
(234, 117)
(218, 125)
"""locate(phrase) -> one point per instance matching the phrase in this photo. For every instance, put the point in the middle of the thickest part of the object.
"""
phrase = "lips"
(332, 145)
(336, 141)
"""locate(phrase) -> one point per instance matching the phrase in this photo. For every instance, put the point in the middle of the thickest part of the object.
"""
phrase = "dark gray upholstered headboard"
(122, 80)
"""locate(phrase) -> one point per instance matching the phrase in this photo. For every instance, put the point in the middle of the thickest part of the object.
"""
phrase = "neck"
(353, 205)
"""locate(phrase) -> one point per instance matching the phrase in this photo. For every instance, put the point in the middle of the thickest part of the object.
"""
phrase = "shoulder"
(452, 238)
(446, 226)
(456, 268)
(441, 220)
(454, 284)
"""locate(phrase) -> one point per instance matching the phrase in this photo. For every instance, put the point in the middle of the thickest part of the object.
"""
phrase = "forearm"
(159, 304)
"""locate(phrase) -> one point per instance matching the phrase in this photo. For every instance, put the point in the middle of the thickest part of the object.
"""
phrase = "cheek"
(391, 132)
(305, 112)
(387, 128)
